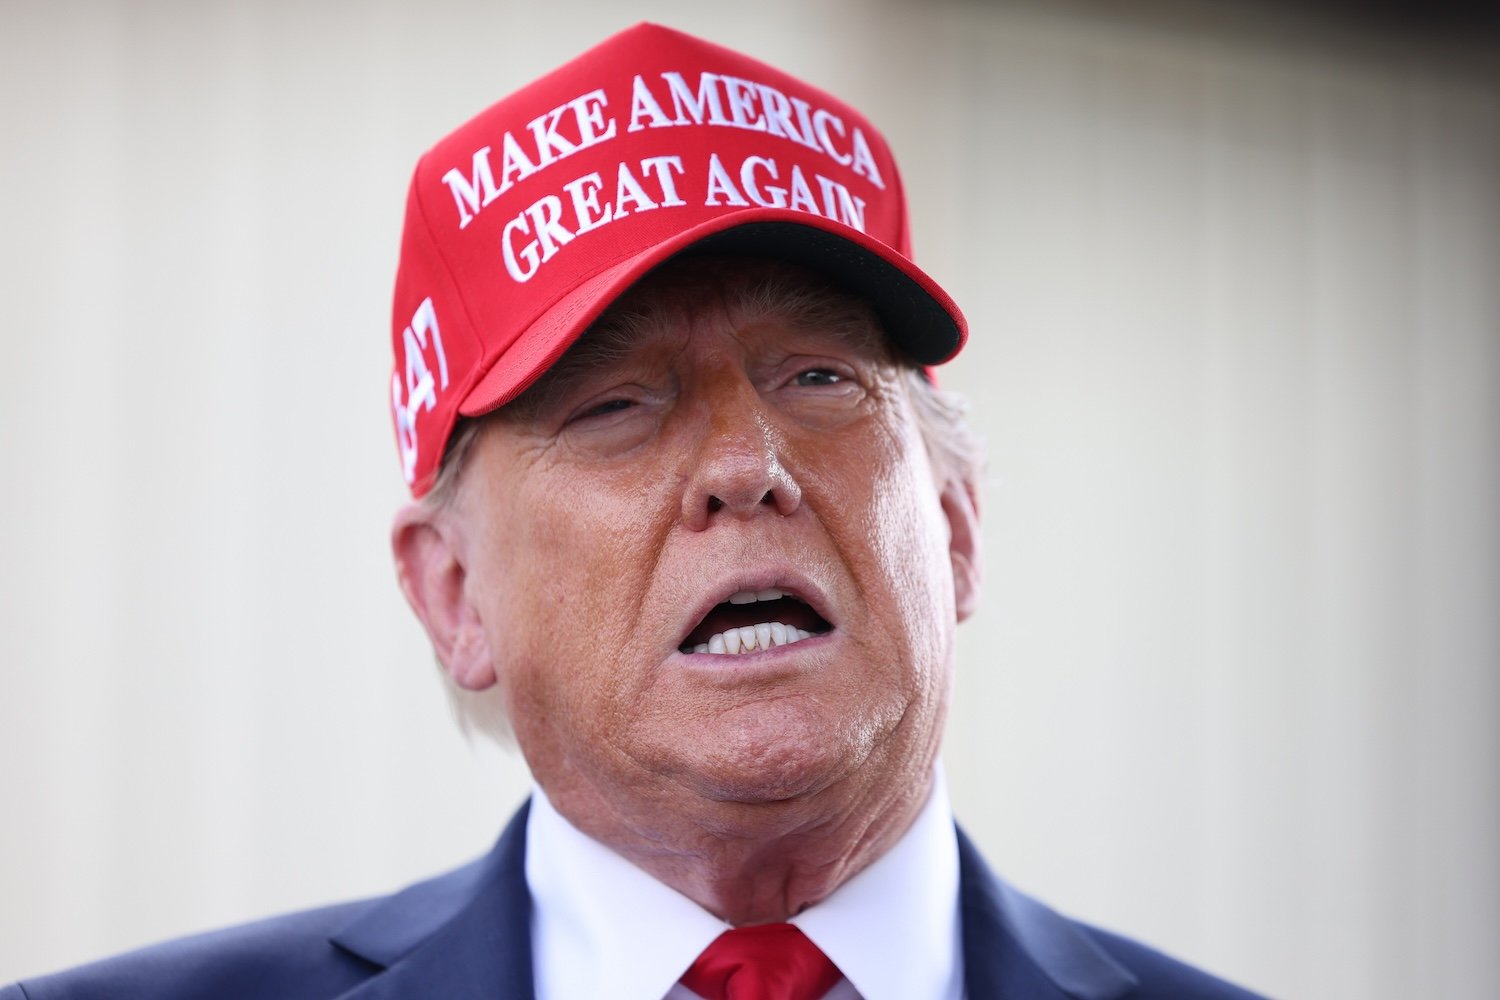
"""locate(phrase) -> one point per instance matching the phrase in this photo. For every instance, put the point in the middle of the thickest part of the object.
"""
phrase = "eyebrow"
(609, 339)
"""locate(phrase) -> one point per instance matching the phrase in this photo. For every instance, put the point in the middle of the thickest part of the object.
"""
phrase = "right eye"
(603, 409)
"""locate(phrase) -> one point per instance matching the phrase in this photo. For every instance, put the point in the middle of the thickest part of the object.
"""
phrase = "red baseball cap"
(524, 224)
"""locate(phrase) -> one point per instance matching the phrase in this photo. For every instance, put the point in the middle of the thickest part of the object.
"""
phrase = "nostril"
(715, 504)
(768, 498)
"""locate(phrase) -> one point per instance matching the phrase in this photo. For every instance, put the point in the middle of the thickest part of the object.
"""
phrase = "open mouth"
(751, 620)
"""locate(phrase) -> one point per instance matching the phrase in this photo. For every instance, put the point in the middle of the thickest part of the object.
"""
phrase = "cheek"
(908, 580)
(912, 545)
(579, 558)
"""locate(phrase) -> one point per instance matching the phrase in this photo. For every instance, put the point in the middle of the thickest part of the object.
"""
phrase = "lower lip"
(758, 661)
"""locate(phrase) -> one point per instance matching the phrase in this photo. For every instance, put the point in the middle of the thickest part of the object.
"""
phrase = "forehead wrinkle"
(803, 302)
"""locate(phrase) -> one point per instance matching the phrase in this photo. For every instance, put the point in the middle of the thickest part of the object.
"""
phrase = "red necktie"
(763, 962)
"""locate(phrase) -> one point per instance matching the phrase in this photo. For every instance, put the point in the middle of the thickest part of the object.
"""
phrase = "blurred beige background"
(1232, 276)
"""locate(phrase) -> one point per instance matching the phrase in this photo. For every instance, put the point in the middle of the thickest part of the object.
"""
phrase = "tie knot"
(763, 962)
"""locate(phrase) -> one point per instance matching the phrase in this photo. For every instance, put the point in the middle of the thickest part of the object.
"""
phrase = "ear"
(960, 502)
(430, 568)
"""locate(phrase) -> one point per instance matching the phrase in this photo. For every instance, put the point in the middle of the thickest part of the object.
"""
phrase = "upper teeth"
(748, 638)
(751, 596)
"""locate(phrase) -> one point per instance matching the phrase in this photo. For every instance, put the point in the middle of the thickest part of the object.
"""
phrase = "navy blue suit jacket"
(467, 936)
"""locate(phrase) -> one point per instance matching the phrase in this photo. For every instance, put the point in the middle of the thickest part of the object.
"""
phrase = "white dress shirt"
(601, 927)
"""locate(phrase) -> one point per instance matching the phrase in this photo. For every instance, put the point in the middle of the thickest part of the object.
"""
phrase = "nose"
(737, 471)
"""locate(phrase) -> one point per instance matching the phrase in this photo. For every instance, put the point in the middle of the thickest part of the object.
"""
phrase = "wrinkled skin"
(725, 447)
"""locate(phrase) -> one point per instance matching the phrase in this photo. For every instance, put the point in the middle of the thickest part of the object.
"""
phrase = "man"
(690, 517)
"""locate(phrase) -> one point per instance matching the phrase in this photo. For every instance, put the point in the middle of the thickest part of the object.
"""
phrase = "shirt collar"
(893, 929)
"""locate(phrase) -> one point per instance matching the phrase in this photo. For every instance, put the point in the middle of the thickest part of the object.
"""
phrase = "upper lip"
(788, 579)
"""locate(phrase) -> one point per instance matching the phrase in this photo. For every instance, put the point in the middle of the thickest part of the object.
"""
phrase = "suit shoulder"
(289, 957)
(1161, 976)
(323, 953)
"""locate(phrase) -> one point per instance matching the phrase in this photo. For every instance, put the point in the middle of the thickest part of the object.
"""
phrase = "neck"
(756, 863)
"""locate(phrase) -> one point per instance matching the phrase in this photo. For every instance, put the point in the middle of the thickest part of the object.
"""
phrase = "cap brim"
(920, 318)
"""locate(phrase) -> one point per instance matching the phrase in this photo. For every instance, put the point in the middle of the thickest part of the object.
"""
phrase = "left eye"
(818, 376)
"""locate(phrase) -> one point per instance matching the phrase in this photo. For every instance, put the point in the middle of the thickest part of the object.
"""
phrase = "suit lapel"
(465, 936)
(1014, 947)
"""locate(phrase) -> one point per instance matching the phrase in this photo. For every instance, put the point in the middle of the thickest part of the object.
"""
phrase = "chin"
(764, 761)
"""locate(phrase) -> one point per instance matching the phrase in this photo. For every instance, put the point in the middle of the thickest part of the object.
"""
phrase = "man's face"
(735, 430)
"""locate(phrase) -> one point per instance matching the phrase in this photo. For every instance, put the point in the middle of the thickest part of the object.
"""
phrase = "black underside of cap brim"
(919, 324)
